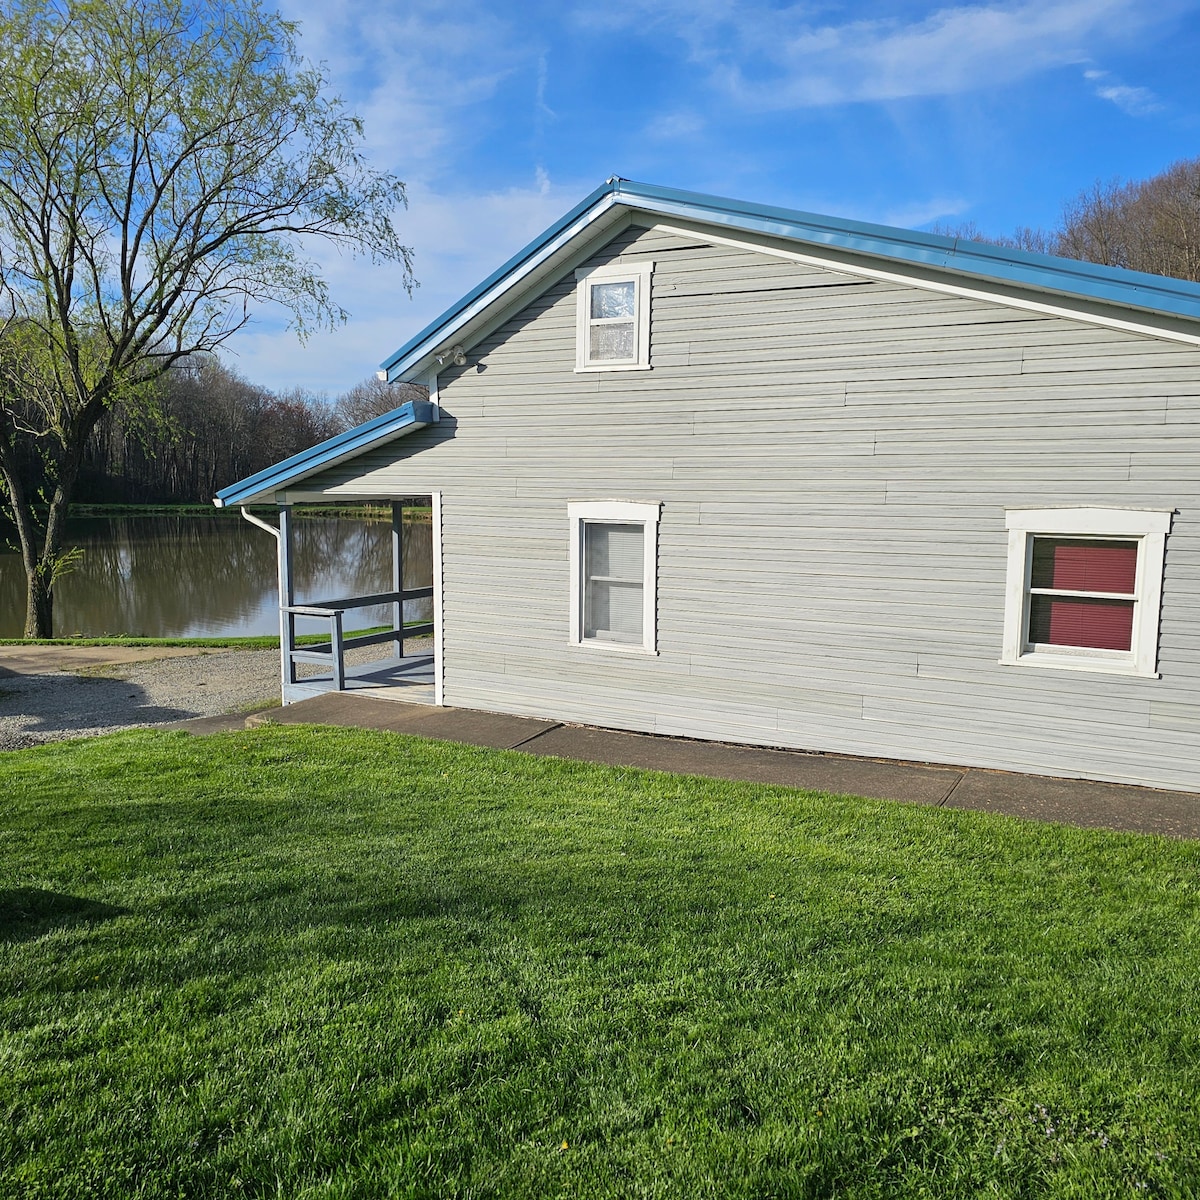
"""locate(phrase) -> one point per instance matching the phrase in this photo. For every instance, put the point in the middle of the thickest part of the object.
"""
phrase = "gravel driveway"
(36, 708)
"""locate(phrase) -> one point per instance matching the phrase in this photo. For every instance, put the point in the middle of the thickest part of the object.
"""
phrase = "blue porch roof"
(261, 488)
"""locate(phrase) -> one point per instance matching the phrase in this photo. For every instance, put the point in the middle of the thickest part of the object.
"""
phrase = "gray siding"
(834, 457)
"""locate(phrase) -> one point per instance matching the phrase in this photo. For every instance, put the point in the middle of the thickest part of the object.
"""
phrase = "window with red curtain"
(1082, 593)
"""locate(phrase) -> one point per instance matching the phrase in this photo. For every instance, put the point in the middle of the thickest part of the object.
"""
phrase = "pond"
(215, 576)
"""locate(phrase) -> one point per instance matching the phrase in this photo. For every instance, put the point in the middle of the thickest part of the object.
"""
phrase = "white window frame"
(1148, 527)
(639, 274)
(619, 512)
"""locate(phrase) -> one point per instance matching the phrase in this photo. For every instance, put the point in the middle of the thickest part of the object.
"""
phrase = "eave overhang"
(262, 487)
(522, 272)
(1088, 285)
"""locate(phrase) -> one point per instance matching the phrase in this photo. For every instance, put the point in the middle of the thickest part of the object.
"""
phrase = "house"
(715, 469)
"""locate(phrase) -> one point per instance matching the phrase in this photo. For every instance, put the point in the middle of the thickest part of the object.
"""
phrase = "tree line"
(204, 427)
(1150, 225)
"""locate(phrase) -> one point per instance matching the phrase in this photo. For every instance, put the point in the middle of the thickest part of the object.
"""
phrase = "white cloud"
(768, 57)
(414, 71)
(916, 213)
(423, 76)
(1135, 101)
(670, 127)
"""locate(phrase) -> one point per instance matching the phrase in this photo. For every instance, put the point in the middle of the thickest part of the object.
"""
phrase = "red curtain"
(1077, 565)
(1084, 566)
(1097, 624)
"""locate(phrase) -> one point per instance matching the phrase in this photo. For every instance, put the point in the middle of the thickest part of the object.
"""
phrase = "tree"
(373, 397)
(203, 428)
(1150, 225)
(165, 166)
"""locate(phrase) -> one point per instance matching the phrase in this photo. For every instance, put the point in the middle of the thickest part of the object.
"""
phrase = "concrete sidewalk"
(1071, 801)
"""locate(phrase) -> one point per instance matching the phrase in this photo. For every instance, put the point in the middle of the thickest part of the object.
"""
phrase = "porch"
(406, 674)
(395, 663)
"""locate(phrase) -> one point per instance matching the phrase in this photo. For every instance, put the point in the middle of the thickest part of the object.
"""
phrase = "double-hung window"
(1085, 588)
(614, 551)
(613, 317)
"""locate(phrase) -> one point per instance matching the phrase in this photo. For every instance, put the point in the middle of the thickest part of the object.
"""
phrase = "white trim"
(439, 660)
(431, 384)
(1098, 522)
(621, 512)
(400, 369)
(831, 263)
(639, 274)
(1148, 527)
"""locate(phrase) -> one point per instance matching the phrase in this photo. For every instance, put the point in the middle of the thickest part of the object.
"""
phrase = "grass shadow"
(28, 912)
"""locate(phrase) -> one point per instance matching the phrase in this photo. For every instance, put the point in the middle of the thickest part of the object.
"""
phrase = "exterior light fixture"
(457, 356)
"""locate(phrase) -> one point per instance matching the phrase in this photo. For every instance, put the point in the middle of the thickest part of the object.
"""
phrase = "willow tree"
(166, 167)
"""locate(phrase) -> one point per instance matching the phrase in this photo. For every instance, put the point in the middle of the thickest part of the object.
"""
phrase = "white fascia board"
(933, 280)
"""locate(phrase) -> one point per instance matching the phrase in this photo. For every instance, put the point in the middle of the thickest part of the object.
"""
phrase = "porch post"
(398, 576)
(287, 597)
(337, 652)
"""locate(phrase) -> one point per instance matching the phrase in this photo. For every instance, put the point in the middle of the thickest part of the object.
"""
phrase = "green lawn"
(294, 962)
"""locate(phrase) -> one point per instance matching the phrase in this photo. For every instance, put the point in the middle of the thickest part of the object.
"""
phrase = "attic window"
(613, 317)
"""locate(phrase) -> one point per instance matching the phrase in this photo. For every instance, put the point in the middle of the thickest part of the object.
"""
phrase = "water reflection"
(215, 576)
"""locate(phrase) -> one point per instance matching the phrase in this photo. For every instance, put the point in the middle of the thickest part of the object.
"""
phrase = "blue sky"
(500, 117)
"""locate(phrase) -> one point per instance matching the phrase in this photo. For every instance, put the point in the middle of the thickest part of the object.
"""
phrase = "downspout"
(261, 524)
(284, 580)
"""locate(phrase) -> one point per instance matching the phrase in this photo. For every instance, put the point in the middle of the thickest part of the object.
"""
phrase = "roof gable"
(1156, 304)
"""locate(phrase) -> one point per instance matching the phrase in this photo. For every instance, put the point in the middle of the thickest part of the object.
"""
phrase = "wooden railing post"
(398, 576)
(339, 651)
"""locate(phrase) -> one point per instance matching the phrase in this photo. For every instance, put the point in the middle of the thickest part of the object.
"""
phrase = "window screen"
(613, 581)
(1082, 593)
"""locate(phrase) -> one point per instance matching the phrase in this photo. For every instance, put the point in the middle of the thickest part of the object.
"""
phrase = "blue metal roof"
(976, 260)
(433, 331)
(416, 414)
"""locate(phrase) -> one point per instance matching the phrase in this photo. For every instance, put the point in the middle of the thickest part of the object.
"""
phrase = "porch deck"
(408, 679)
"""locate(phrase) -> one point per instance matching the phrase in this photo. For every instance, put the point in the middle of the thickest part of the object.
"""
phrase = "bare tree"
(163, 166)
(1025, 237)
(372, 398)
(1152, 225)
